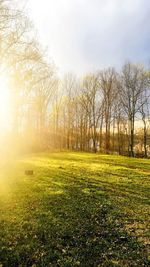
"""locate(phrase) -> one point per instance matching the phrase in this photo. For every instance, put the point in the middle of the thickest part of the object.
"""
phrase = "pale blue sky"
(86, 35)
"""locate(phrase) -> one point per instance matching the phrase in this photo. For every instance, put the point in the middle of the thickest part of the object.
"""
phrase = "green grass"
(77, 209)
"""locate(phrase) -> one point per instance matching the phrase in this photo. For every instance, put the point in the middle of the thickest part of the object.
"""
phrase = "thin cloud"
(84, 35)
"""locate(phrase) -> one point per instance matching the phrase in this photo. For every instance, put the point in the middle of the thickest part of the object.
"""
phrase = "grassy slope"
(77, 210)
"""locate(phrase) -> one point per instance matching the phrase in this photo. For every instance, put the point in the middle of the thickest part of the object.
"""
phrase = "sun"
(4, 103)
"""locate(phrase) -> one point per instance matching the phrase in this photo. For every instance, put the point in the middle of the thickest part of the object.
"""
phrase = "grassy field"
(77, 209)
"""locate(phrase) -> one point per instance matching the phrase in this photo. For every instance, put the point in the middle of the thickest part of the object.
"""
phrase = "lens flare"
(4, 103)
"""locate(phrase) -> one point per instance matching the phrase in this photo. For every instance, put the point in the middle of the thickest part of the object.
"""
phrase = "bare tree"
(109, 92)
(91, 103)
(131, 87)
(144, 109)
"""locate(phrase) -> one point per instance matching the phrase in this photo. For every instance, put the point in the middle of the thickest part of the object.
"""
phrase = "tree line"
(106, 111)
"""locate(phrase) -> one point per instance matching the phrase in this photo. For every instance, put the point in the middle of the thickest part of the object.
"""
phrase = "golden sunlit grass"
(77, 209)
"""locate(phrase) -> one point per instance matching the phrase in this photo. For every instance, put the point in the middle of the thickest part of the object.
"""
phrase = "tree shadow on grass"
(72, 228)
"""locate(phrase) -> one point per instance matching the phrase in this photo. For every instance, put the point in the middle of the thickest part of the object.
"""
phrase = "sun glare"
(4, 103)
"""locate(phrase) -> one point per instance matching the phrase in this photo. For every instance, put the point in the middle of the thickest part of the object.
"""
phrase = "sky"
(86, 35)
